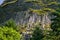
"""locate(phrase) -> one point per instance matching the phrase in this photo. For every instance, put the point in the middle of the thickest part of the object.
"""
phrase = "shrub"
(9, 34)
(10, 23)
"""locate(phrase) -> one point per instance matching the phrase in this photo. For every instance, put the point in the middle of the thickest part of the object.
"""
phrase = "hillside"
(30, 13)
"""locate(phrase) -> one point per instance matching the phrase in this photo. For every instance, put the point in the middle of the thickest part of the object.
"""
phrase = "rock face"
(31, 19)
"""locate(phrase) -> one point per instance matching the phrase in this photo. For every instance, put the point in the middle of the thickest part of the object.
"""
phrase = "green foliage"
(55, 26)
(42, 11)
(44, 4)
(56, 22)
(9, 34)
(37, 34)
(51, 36)
(11, 23)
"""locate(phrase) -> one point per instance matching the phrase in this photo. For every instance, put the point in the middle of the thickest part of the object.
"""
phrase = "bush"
(9, 34)
(10, 23)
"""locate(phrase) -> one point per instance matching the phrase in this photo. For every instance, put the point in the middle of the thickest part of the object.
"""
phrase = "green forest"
(30, 20)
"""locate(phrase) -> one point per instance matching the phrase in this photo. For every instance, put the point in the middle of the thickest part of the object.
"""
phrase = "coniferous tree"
(37, 34)
(55, 26)
(56, 22)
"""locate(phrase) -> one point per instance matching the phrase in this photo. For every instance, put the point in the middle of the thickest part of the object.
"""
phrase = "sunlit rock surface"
(31, 19)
